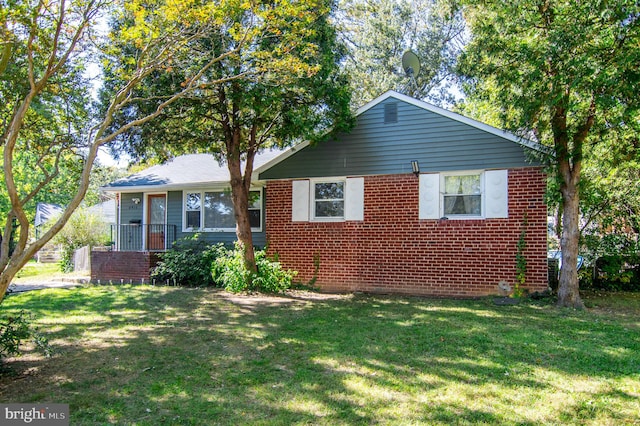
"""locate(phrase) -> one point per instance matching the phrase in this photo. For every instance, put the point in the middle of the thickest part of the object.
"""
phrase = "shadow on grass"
(198, 356)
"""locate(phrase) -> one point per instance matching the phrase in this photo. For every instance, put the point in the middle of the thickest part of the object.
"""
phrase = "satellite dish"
(410, 64)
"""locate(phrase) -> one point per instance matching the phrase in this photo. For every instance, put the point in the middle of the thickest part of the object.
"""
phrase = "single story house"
(414, 200)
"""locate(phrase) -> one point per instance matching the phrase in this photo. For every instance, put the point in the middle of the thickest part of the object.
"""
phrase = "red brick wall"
(392, 251)
(121, 265)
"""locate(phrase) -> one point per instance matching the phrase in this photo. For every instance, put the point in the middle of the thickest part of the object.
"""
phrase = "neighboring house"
(106, 210)
(44, 213)
(414, 200)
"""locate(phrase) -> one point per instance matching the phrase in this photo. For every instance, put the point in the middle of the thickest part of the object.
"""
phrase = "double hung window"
(462, 195)
(337, 199)
(328, 200)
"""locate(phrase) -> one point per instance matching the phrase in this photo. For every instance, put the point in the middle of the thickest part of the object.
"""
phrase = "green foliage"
(282, 84)
(15, 330)
(230, 272)
(564, 74)
(276, 81)
(614, 262)
(84, 228)
(46, 158)
(188, 262)
(618, 273)
(380, 31)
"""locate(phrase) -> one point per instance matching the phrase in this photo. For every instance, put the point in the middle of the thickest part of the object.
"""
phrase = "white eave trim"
(275, 160)
(177, 187)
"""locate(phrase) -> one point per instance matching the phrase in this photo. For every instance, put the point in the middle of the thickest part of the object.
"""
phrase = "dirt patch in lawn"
(289, 297)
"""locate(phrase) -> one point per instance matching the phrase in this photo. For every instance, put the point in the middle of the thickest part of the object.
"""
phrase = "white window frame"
(444, 175)
(312, 199)
(202, 197)
(186, 228)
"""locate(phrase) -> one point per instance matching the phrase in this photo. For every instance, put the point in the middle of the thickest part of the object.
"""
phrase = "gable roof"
(45, 212)
(185, 171)
(449, 114)
(441, 140)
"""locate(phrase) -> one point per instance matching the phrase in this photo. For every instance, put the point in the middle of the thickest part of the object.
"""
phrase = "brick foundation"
(392, 251)
(122, 265)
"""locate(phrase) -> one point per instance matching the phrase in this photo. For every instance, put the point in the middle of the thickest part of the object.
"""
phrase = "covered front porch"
(143, 237)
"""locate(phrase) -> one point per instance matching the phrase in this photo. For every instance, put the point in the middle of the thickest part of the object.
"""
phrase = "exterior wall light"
(135, 200)
(415, 167)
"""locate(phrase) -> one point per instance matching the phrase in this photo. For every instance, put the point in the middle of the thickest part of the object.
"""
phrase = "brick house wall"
(391, 251)
(122, 265)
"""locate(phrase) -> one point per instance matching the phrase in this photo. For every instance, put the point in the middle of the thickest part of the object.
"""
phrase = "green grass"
(151, 356)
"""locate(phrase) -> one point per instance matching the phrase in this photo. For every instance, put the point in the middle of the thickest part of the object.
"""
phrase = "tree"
(47, 45)
(291, 89)
(610, 202)
(378, 32)
(566, 71)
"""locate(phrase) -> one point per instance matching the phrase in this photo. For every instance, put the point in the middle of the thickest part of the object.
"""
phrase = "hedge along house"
(157, 206)
(414, 200)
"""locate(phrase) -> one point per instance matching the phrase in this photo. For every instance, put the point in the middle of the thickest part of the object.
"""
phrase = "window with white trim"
(332, 199)
(212, 211)
(462, 195)
(192, 210)
(328, 200)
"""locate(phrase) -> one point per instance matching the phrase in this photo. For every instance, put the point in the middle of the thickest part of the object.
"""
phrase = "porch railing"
(142, 237)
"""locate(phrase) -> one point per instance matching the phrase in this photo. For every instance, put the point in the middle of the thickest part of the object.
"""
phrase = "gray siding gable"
(438, 139)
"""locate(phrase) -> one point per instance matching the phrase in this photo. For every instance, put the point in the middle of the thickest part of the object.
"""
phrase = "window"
(255, 209)
(192, 210)
(213, 211)
(218, 210)
(462, 195)
(328, 200)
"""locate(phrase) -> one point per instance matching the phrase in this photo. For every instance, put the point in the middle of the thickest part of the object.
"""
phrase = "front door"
(156, 221)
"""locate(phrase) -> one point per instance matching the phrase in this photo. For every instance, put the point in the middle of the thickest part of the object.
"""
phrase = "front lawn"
(166, 355)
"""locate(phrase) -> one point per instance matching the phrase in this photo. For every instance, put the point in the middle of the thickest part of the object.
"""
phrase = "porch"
(133, 252)
(142, 237)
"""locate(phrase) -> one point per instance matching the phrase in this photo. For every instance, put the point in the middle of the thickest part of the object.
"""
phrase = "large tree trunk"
(569, 163)
(240, 198)
(569, 288)
(240, 186)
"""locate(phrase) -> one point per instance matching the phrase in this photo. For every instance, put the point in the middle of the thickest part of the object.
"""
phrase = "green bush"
(614, 262)
(188, 262)
(229, 271)
(618, 273)
(84, 228)
(15, 330)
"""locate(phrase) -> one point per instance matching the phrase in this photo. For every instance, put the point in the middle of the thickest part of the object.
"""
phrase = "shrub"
(15, 330)
(188, 262)
(84, 228)
(614, 260)
(618, 273)
(229, 271)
